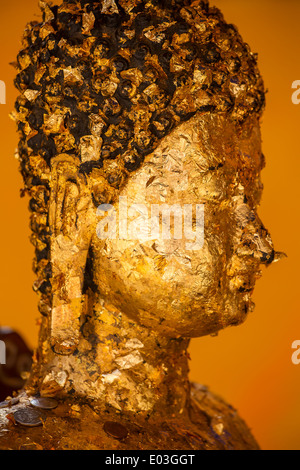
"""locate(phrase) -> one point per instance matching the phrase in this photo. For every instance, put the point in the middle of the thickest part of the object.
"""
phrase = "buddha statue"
(129, 108)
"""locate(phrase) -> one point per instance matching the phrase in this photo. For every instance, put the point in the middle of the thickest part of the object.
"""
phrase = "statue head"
(130, 105)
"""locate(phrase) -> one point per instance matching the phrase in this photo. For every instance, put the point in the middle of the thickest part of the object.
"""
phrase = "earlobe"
(71, 221)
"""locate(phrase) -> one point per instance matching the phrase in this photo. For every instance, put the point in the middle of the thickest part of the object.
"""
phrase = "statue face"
(163, 283)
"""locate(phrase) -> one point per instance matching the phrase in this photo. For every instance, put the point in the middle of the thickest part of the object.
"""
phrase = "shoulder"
(225, 425)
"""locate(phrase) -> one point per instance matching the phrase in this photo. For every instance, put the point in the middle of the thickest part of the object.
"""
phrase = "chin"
(238, 311)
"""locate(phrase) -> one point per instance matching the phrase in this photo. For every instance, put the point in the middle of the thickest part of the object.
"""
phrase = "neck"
(121, 364)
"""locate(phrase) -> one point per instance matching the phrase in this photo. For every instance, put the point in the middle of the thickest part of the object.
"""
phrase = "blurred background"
(249, 366)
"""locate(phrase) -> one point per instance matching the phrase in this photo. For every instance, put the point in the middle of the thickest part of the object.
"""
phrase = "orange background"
(250, 366)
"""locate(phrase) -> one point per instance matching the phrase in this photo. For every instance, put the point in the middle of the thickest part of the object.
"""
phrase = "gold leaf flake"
(53, 123)
(72, 76)
(88, 21)
(31, 95)
(90, 147)
(109, 7)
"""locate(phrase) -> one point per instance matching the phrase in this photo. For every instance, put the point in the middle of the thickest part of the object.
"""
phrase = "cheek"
(175, 293)
(219, 236)
(164, 285)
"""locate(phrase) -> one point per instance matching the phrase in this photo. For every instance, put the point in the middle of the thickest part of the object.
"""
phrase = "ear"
(72, 218)
(65, 191)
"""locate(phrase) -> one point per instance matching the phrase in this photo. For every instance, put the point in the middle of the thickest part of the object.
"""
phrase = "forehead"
(212, 141)
(209, 142)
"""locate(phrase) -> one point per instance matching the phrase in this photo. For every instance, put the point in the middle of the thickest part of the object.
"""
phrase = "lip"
(244, 281)
(251, 268)
(242, 290)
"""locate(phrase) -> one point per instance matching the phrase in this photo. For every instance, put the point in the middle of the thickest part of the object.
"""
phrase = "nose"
(264, 248)
(255, 238)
